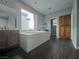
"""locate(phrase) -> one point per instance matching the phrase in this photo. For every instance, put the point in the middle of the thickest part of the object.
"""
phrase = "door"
(65, 27)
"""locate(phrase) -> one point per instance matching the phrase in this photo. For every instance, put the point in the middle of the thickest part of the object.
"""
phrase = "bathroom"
(17, 30)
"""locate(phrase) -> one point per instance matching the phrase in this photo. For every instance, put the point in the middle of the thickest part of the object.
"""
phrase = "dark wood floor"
(52, 49)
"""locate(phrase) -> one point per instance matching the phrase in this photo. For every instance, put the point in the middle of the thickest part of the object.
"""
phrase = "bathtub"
(32, 39)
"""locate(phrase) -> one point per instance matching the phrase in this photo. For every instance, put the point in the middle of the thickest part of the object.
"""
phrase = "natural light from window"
(27, 20)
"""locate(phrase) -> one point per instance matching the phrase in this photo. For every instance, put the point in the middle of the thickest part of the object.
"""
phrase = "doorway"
(65, 27)
(53, 28)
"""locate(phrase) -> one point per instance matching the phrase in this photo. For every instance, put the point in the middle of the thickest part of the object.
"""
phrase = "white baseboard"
(74, 45)
(77, 48)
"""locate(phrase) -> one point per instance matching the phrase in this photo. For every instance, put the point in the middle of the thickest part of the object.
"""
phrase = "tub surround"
(29, 40)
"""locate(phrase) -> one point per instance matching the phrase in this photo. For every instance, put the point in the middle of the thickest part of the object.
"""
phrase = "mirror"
(8, 18)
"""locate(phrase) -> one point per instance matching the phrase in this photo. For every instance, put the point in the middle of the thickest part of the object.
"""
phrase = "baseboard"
(74, 45)
(77, 48)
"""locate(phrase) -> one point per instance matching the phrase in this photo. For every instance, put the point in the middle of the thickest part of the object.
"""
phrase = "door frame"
(51, 22)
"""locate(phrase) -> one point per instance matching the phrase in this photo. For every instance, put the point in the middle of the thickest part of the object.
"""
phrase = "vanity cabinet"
(3, 39)
(9, 38)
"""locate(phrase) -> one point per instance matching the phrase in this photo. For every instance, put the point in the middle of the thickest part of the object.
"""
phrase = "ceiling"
(6, 11)
(47, 6)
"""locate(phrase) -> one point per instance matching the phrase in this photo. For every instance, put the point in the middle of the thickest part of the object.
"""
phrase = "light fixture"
(50, 8)
(35, 2)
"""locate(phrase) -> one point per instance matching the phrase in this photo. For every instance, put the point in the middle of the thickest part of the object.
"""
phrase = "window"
(27, 20)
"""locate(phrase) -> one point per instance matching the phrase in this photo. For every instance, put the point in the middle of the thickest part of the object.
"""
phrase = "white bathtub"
(32, 39)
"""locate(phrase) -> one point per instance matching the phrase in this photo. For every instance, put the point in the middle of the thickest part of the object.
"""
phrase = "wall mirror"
(8, 18)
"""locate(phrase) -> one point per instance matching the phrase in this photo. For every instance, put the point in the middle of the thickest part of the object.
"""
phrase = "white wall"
(11, 22)
(77, 23)
(56, 15)
(3, 22)
(17, 4)
(40, 21)
(74, 24)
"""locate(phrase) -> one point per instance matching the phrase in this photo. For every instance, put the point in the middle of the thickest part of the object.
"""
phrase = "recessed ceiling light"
(35, 2)
(50, 8)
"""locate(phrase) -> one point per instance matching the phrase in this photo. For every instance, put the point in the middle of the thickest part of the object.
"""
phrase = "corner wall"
(77, 23)
(56, 15)
(74, 24)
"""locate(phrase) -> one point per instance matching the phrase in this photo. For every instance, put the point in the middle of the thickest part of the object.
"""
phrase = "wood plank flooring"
(52, 49)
